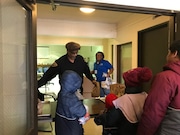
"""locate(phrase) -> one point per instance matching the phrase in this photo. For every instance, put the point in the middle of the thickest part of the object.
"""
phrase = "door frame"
(119, 61)
(174, 33)
(30, 6)
(111, 7)
(176, 21)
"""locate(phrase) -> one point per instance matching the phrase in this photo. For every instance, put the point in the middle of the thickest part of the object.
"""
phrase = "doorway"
(124, 60)
(87, 31)
(153, 48)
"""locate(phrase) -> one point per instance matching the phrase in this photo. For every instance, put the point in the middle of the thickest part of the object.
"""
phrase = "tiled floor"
(90, 128)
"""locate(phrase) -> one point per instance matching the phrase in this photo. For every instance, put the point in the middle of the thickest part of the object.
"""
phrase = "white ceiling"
(172, 5)
(74, 14)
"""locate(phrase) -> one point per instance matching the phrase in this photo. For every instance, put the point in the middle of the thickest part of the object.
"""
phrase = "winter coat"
(161, 114)
(69, 107)
(131, 105)
(110, 120)
(124, 116)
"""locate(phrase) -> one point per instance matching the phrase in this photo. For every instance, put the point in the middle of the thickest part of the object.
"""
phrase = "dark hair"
(101, 54)
(175, 46)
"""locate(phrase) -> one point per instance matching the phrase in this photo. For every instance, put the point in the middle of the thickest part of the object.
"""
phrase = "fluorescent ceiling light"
(172, 5)
(87, 10)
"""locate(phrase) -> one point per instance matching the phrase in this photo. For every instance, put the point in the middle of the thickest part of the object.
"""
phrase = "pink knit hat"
(136, 76)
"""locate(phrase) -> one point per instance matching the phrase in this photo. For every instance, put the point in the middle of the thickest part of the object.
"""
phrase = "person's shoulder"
(167, 75)
(105, 61)
(79, 56)
(164, 74)
(61, 58)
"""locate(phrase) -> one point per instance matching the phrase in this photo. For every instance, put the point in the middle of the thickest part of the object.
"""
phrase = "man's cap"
(72, 46)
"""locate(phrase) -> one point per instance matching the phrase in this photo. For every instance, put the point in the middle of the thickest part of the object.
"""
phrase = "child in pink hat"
(127, 109)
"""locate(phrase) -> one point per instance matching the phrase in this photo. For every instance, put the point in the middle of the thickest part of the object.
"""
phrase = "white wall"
(76, 29)
(62, 40)
(128, 31)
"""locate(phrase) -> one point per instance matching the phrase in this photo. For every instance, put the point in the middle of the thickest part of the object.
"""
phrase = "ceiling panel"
(68, 13)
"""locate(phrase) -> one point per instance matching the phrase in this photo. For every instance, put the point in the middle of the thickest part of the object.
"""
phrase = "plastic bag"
(84, 119)
(106, 84)
(79, 95)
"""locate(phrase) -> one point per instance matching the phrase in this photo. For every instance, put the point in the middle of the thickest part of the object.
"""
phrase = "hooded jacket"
(131, 105)
(162, 107)
(68, 104)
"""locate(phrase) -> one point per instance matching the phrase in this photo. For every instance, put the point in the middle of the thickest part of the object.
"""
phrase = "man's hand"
(94, 82)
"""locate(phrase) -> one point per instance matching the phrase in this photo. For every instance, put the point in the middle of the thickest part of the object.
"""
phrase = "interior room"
(26, 26)
(101, 30)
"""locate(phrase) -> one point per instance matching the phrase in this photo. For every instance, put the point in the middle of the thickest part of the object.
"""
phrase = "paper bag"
(96, 90)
